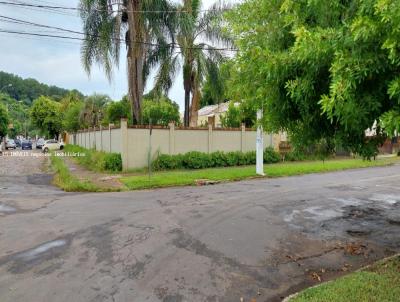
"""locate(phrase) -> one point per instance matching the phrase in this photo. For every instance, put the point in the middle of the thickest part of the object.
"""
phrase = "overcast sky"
(58, 62)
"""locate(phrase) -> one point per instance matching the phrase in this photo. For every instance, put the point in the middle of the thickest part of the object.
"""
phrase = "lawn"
(189, 177)
(379, 282)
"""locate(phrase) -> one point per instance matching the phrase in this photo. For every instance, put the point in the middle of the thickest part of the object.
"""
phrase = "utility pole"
(259, 145)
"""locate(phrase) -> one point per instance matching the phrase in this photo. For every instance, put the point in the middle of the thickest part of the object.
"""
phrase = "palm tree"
(196, 54)
(137, 23)
(93, 110)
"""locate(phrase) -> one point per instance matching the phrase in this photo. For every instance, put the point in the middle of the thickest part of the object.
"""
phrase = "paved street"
(259, 239)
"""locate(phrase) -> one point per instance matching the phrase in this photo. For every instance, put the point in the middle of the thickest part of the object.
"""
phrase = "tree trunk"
(135, 58)
(194, 108)
(187, 108)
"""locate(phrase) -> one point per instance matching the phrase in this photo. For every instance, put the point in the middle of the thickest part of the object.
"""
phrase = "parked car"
(17, 143)
(40, 142)
(26, 144)
(10, 144)
(51, 145)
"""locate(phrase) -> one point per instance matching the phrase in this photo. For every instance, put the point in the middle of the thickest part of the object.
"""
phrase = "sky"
(58, 62)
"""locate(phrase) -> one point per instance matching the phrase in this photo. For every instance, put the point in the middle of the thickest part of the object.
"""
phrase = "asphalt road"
(259, 239)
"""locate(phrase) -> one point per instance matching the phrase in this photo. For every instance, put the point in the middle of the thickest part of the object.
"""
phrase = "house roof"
(212, 109)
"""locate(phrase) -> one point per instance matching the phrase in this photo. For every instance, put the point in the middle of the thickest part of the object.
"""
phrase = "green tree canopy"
(27, 90)
(325, 69)
(4, 121)
(46, 115)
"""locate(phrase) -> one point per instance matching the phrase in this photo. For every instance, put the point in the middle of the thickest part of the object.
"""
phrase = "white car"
(51, 145)
(10, 144)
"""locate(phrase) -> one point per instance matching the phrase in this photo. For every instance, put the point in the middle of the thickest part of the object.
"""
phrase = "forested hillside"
(27, 90)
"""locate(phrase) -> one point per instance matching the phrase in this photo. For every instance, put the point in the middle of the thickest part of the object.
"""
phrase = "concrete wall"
(134, 143)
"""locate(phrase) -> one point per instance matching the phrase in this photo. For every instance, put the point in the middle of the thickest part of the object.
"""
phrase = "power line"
(170, 45)
(66, 8)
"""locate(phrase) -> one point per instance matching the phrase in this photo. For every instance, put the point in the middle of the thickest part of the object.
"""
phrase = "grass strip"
(68, 182)
(378, 282)
(189, 177)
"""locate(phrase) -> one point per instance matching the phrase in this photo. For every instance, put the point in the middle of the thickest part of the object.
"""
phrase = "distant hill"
(27, 90)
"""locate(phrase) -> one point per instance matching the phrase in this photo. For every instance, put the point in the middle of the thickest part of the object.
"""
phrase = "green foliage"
(200, 160)
(4, 121)
(322, 69)
(96, 160)
(216, 87)
(115, 111)
(238, 113)
(271, 156)
(160, 111)
(66, 181)
(93, 110)
(232, 118)
(46, 115)
(71, 121)
(112, 162)
(27, 90)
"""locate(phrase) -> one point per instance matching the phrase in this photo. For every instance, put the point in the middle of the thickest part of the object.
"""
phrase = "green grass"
(188, 177)
(66, 181)
(379, 282)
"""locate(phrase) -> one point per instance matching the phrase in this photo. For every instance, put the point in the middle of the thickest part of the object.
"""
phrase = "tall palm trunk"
(187, 85)
(187, 108)
(195, 106)
(135, 58)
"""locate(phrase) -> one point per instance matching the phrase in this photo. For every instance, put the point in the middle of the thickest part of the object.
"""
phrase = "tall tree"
(4, 121)
(323, 69)
(197, 54)
(93, 110)
(137, 23)
(47, 116)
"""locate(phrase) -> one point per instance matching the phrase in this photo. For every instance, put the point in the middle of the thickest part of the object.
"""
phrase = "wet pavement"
(259, 239)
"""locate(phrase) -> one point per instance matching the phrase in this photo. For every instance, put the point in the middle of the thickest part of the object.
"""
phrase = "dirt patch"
(101, 180)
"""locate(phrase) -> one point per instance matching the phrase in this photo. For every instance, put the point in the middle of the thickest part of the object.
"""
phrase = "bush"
(97, 160)
(218, 159)
(196, 160)
(112, 162)
(271, 156)
(167, 162)
(199, 160)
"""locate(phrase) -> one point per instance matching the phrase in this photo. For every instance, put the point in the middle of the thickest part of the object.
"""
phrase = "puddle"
(386, 198)
(41, 249)
(7, 209)
(320, 213)
(348, 201)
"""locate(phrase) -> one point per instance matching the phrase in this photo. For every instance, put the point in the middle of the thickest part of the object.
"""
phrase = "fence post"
(124, 144)
(171, 138)
(242, 137)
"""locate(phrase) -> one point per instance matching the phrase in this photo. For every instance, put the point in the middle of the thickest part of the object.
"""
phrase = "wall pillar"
(210, 138)
(124, 144)
(101, 137)
(171, 138)
(242, 137)
(109, 135)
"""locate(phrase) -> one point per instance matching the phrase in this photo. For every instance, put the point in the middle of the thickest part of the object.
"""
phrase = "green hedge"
(199, 160)
(97, 160)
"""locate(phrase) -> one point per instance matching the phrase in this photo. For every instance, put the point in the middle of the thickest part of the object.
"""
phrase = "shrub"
(97, 160)
(167, 162)
(112, 162)
(271, 156)
(218, 159)
(196, 160)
